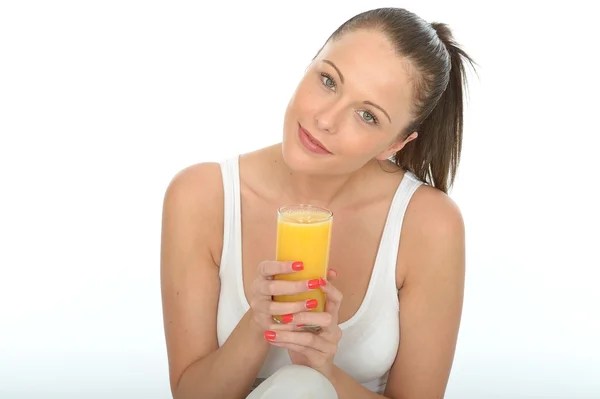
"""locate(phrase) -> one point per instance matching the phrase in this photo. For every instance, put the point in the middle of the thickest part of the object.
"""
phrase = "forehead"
(372, 67)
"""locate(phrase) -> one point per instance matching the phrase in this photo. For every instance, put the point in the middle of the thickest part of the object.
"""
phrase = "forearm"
(348, 388)
(230, 371)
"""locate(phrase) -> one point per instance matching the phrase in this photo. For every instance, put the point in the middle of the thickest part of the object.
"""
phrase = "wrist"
(253, 327)
(332, 374)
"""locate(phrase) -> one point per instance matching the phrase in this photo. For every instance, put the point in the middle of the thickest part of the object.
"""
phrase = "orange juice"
(304, 234)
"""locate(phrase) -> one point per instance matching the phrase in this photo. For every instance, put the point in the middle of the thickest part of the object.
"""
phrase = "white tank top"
(370, 338)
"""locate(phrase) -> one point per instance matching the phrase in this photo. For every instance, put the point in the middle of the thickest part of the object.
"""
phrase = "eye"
(368, 117)
(328, 81)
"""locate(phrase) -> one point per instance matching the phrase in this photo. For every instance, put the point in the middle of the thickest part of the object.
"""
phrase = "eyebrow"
(364, 102)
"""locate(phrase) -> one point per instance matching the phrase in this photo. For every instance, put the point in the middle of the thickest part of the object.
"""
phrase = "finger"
(284, 287)
(321, 319)
(282, 327)
(281, 308)
(334, 298)
(270, 268)
(331, 274)
(299, 338)
(297, 327)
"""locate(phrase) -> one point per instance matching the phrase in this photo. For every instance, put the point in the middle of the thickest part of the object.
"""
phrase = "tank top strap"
(231, 256)
(382, 284)
(387, 256)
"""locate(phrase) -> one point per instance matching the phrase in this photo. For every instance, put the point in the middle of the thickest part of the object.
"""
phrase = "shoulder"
(193, 203)
(433, 230)
(202, 181)
(437, 215)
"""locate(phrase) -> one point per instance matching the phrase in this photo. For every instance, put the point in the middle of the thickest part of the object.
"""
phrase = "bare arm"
(431, 297)
(348, 388)
(192, 229)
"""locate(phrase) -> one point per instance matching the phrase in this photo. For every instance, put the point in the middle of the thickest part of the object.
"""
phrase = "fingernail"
(297, 266)
(334, 271)
(311, 304)
(270, 335)
(322, 282)
(287, 318)
(312, 284)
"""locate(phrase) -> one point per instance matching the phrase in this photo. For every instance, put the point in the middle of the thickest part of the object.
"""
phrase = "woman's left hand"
(306, 348)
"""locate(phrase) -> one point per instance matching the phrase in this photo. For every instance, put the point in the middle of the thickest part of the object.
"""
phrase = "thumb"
(331, 274)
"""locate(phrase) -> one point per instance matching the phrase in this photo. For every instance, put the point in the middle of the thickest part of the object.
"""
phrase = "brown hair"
(438, 108)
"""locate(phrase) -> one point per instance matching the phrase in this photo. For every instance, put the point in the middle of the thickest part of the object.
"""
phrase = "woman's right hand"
(264, 287)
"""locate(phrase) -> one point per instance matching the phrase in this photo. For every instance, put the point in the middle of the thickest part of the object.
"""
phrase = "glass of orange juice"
(304, 234)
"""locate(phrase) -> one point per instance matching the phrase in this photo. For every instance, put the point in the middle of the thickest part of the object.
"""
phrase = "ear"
(396, 146)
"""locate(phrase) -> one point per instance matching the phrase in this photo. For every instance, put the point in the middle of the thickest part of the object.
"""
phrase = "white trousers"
(295, 382)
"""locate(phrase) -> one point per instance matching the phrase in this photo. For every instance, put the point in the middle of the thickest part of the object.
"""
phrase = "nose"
(327, 118)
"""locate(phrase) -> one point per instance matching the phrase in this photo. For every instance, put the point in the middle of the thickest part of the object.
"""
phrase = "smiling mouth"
(312, 143)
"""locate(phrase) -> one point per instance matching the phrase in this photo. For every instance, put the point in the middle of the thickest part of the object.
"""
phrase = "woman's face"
(354, 100)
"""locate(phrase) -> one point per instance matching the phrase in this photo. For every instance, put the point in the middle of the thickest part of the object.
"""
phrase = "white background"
(101, 103)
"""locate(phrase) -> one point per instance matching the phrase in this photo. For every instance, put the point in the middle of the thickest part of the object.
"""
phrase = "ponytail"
(434, 156)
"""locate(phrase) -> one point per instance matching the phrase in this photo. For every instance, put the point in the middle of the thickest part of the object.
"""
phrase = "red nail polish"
(311, 304)
(270, 335)
(287, 318)
(312, 284)
(322, 282)
(297, 266)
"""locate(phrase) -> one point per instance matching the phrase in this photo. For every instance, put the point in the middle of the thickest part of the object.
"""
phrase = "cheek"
(359, 140)
(308, 97)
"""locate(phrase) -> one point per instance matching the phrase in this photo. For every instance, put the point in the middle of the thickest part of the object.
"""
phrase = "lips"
(313, 139)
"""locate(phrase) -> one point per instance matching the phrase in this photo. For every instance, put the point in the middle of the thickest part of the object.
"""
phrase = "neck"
(319, 190)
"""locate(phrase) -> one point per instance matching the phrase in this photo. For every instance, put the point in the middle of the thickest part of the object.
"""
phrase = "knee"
(295, 382)
(303, 378)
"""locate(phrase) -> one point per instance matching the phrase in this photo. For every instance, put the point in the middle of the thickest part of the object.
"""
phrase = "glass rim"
(327, 213)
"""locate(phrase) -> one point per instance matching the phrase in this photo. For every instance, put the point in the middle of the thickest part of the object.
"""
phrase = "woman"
(372, 132)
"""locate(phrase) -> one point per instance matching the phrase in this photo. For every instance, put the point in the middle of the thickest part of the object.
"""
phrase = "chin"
(295, 157)
(298, 159)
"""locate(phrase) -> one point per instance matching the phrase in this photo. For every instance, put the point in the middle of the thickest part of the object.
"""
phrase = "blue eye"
(368, 117)
(328, 81)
